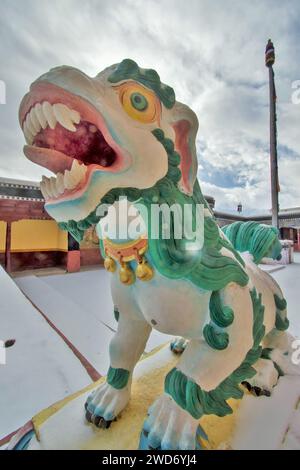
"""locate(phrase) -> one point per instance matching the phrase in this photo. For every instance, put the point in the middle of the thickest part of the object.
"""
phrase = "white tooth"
(60, 183)
(76, 178)
(40, 115)
(80, 165)
(49, 114)
(83, 169)
(62, 114)
(68, 180)
(29, 125)
(48, 187)
(45, 180)
(27, 134)
(74, 165)
(80, 170)
(75, 116)
(53, 186)
(35, 122)
(75, 169)
(44, 190)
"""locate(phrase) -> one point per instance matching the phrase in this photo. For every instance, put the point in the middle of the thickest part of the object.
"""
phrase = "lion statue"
(122, 134)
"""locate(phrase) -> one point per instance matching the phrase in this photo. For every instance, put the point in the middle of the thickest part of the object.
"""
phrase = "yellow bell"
(126, 274)
(110, 264)
(144, 272)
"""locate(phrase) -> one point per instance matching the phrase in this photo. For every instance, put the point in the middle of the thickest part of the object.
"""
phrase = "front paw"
(169, 427)
(105, 404)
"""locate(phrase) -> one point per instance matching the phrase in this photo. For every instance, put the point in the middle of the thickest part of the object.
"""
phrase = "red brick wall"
(91, 257)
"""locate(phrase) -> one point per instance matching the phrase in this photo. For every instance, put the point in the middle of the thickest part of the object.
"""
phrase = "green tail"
(259, 240)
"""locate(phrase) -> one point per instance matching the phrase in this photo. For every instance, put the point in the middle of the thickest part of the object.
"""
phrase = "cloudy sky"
(211, 53)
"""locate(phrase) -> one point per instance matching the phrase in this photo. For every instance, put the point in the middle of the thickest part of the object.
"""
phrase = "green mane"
(259, 239)
(208, 268)
(129, 70)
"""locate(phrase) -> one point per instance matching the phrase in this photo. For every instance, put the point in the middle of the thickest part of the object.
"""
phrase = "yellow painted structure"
(2, 236)
(145, 390)
(35, 235)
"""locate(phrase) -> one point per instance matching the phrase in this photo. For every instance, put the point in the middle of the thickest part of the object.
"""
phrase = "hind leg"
(279, 347)
(276, 360)
(205, 377)
(265, 379)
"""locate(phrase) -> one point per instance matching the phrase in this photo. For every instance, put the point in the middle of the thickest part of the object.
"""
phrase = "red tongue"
(50, 159)
(87, 144)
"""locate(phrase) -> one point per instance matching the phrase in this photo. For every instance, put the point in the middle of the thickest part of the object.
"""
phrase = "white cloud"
(256, 197)
(212, 53)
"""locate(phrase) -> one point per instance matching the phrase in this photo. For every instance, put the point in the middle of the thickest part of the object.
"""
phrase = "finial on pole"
(270, 54)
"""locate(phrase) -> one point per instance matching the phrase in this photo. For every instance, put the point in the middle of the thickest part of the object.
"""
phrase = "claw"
(247, 385)
(178, 345)
(144, 442)
(88, 416)
(256, 391)
(98, 421)
(108, 423)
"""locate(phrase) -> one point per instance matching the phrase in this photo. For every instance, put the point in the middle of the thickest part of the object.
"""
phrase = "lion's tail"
(259, 240)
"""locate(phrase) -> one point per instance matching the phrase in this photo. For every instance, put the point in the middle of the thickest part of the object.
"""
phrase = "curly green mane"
(208, 268)
(259, 239)
(129, 70)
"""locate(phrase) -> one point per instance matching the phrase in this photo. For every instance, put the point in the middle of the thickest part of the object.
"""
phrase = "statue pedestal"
(256, 422)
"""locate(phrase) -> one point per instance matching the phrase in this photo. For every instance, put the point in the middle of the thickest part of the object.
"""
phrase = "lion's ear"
(185, 124)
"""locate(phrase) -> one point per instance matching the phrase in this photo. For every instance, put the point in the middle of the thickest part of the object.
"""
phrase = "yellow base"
(125, 432)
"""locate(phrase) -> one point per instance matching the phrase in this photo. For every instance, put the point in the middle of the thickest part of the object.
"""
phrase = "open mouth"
(67, 140)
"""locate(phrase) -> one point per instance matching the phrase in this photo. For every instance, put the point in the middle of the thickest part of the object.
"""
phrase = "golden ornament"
(144, 271)
(110, 264)
(126, 274)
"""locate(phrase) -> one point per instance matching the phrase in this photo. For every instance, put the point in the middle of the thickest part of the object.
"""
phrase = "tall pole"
(7, 262)
(270, 60)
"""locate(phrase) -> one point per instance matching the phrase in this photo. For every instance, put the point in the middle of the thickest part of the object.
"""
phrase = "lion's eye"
(139, 101)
